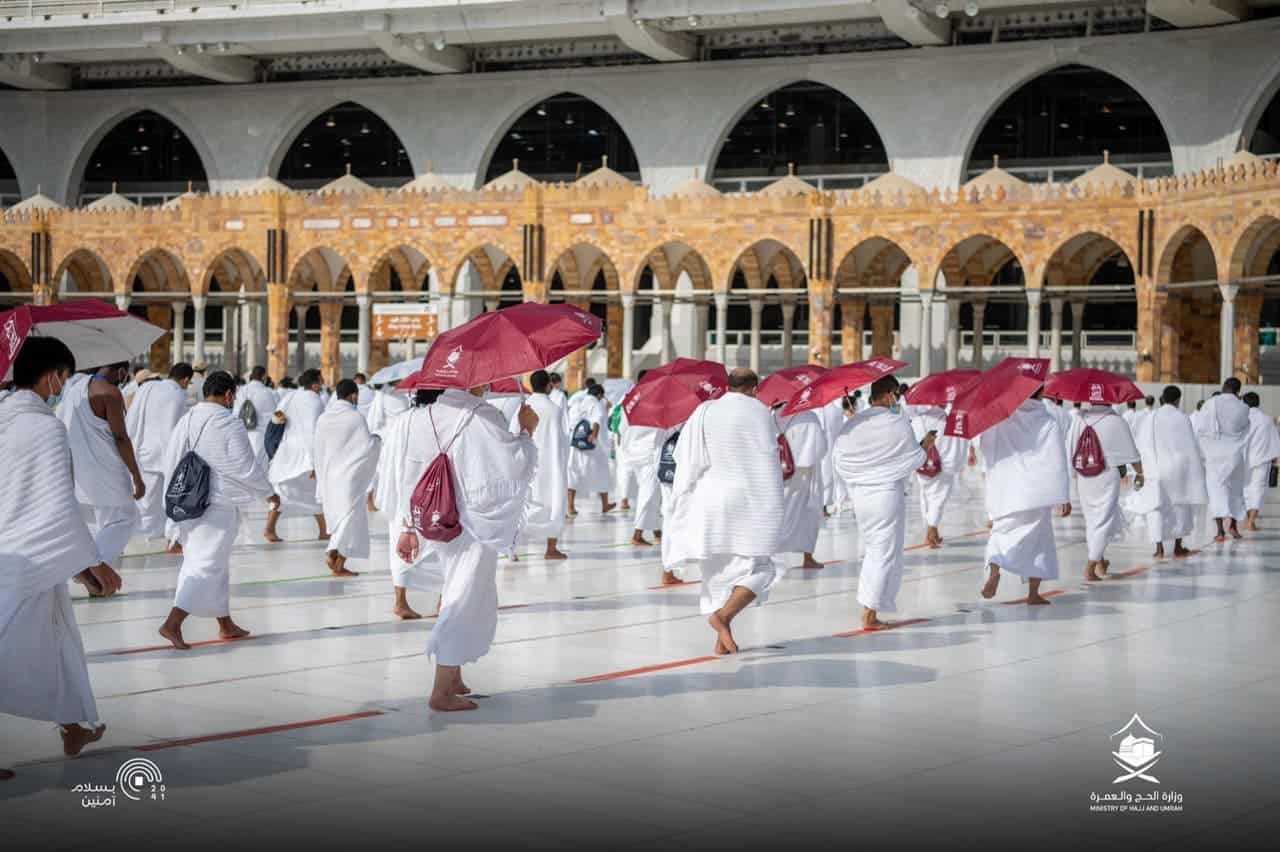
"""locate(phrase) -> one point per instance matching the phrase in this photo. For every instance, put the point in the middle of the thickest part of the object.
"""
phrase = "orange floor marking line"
(254, 732)
(893, 626)
(645, 670)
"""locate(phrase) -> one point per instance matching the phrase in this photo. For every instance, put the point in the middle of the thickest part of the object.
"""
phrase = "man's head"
(258, 374)
(846, 403)
(181, 373)
(1171, 395)
(114, 373)
(589, 383)
(43, 366)
(1133, 404)
(288, 383)
(556, 380)
(347, 389)
(220, 388)
(311, 380)
(884, 391)
(1231, 386)
(359, 378)
(743, 380)
(200, 367)
(1252, 400)
(596, 390)
(540, 381)
(1151, 402)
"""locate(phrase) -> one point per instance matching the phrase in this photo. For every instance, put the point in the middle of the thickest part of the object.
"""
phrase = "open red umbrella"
(995, 395)
(841, 381)
(784, 384)
(505, 343)
(96, 333)
(667, 395)
(507, 387)
(940, 389)
(1087, 385)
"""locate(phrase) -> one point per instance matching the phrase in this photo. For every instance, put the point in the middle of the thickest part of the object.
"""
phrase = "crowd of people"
(94, 462)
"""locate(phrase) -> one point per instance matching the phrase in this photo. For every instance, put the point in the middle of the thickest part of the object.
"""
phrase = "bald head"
(743, 380)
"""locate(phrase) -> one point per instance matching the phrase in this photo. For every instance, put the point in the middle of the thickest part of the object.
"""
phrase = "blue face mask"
(55, 397)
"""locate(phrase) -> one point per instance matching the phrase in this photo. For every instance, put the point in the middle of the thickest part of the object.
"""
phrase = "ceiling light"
(306, 165)
(542, 110)
(179, 50)
(568, 119)
(819, 124)
(1064, 125)
(177, 134)
(306, 143)
(844, 134)
(384, 162)
(942, 10)
(1008, 126)
(364, 129)
(694, 20)
(223, 47)
(329, 122)
(144, 147)
(764, 105)
(971, 9)
(141, 127)
(593, 132)
(440, 43)
(1044, 113)
(420, 44)
(200, 48)
(782, 124)
(515, 134)
(1121, 127)
(866, 146)
(37, 58)
(791, 111)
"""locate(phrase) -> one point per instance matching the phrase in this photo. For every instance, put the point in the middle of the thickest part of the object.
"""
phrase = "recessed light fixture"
(542, 110)
(364, 129)
(971, 9)
(942, 10)
(440, 43)
(694, 20)
(1064, 125)
(329, 122)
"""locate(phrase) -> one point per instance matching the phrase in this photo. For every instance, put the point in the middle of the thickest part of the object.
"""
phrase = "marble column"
(122, 301)
(628, 334)
(364, 334)
(757, 311)
(300, 352)
(665, 341)
(179, 331)
(1055, 335)
(1033, 323)
(722, 327)
(199, 303)
(953, 333)
(1227, 326)
(231, 338)
(788, 319)
(926, 333)
(979, 313)
(444, 313)
(1077, 334)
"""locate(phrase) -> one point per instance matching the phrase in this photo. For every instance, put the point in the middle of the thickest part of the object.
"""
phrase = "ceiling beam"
(913, 25)
(24, 72)
(646, 39)
(414, 50)
(1198, 13)
(188, 58)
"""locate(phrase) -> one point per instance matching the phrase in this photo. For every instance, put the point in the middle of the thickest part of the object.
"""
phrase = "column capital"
(1034, 297)
(198, 301)
(122, 302)
(1228, 291)
(180, 304)
(789, 307)
(363, 300)
(756, 303)
(1056, 303)
(628, 301)
(926, 298)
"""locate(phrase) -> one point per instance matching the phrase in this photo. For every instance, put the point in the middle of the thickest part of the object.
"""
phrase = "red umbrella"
(505, 343)
(667, 395)
(1086, 385)
(940, 389)
(995, 395)
(507, 387)
(96, 333)
(784, 384)
(841, 381)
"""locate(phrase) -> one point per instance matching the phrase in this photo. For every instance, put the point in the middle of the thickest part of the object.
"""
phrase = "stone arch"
(233, 268)
(526, 135)
(314, 112)
(83, 271)
(672, 265)
(982, 141)
(588, 278)
(1187, 255)
(403, 267)
(1190, 342)
(1257, 244)
(158, 269)
(137, 111)
(765, 266)
(322, 270)
(1260, 124)
(875, 262)
(14, 274)
(855, 142)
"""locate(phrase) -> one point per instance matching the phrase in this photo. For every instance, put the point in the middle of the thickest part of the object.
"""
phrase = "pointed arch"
(553, 135)
(150, 153)
(323, 140)
(83, 271)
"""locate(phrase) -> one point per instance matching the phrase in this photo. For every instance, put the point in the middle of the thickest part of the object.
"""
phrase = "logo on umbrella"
(11, 335)
(1095, 393)
(708, 388)
(803, 379)
(1136, 748)
(450, 365)
(805, 394)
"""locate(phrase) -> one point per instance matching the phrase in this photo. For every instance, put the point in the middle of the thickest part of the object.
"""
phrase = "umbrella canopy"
(995, 395)
(505, 343)
(784, 384)
(396, 372)
(1092, 386)
(940, 389)
(667, 395)
(508, 387)
(96, 333)
(841, 381)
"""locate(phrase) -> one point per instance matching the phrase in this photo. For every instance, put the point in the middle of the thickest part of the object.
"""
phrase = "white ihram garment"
(156, 409)
(726, 511)
(803, 495)
(1174, 495)
(265, 403)
(237, 478)
(43, 543)
(834, 492)
(1027, 476)
(589, 469)
(1222, 426)
(1262, 447)
(292, 469)
(346, 457)
(1100, 495)
(875, 454)
(385, 407)
(638, 449)
(104, 485)
(492, 470)
(544, 511)
(954, 452)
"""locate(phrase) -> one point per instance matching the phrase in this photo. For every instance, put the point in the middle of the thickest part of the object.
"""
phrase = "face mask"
(55, 397)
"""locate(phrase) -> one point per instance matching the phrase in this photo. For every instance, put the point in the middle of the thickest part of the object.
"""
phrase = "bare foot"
(554, 555)
(1159, 554)
(993, 580)
(174, 549)
(76, 737)
(405, 612)
(669, 578)
(1220, 539)
(1104, 567)
(270, 536)
(811, 564)
(572, 513)
(873, 622)
(174, 635)
(1235, 533)
(460, 688)
(1180, 552)
(725, 635)
(639, 540)
(1251, 526)
(720, 649)
(344, 572)
(231, 630)
(1091, 573)
(1037, 600)
(608, 507)
(450, 703)
(323, 537)
(91, 585)
(625, 505)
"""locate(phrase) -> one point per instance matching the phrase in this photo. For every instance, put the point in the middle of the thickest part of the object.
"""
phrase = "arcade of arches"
(1194, 257)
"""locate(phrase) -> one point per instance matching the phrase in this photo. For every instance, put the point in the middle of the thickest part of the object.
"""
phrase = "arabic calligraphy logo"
(1136, 749)
(139, 778)
(1095, 393)
(11, 335)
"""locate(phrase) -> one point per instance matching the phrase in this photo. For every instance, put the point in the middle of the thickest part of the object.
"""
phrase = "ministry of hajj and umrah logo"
(1135, 748)
(11, 335)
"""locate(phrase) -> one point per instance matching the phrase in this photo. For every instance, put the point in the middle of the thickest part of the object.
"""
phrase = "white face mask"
(55, 397)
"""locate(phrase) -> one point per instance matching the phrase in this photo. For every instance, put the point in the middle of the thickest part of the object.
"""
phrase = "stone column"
(979, 314)
(300, 353)
(410, 349)
(852, 322)
(703, 314)
(666, 343)
(122, 301)
(757, 311)
(277, 330)
(882, 329)
(788, 318)
(722, 326)
(1077, 333)
(953, 333)
(1033, 323)
(365, 337)
(232, 334)
(331, 342)
(926, 333)
(1055, 335)
(179, 346)
(628, 334)
(1227, 325)
(444, 313)
(162, 349)
(199, 303)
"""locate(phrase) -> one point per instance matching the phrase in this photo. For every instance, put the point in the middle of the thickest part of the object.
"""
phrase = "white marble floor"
(983, 724)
